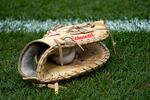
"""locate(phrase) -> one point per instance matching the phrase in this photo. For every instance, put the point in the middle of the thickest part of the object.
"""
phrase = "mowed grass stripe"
(64, 9)
(32, 26)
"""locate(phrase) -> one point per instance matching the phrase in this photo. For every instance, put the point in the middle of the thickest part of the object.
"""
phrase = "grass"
(63, 9)
(125, 76)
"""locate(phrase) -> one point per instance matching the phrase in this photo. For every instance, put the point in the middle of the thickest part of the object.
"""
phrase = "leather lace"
(77, 30)
(61, 50)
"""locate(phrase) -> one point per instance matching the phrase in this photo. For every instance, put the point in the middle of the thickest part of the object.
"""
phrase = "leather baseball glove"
(64, 52)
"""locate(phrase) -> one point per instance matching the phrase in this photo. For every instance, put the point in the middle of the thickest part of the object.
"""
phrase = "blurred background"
(83, 9)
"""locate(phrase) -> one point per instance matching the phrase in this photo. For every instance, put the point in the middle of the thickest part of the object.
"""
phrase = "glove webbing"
(61, 51)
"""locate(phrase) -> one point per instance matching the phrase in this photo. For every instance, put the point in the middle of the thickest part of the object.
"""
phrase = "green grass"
(63, 9)
(125, 76)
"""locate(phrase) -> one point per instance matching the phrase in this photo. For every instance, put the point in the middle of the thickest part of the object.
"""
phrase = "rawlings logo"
(78, 37)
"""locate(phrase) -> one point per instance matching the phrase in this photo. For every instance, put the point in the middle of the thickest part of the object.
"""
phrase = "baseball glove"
(63, 53)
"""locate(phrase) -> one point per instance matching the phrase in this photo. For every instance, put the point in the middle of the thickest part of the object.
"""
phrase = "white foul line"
(35, 26)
